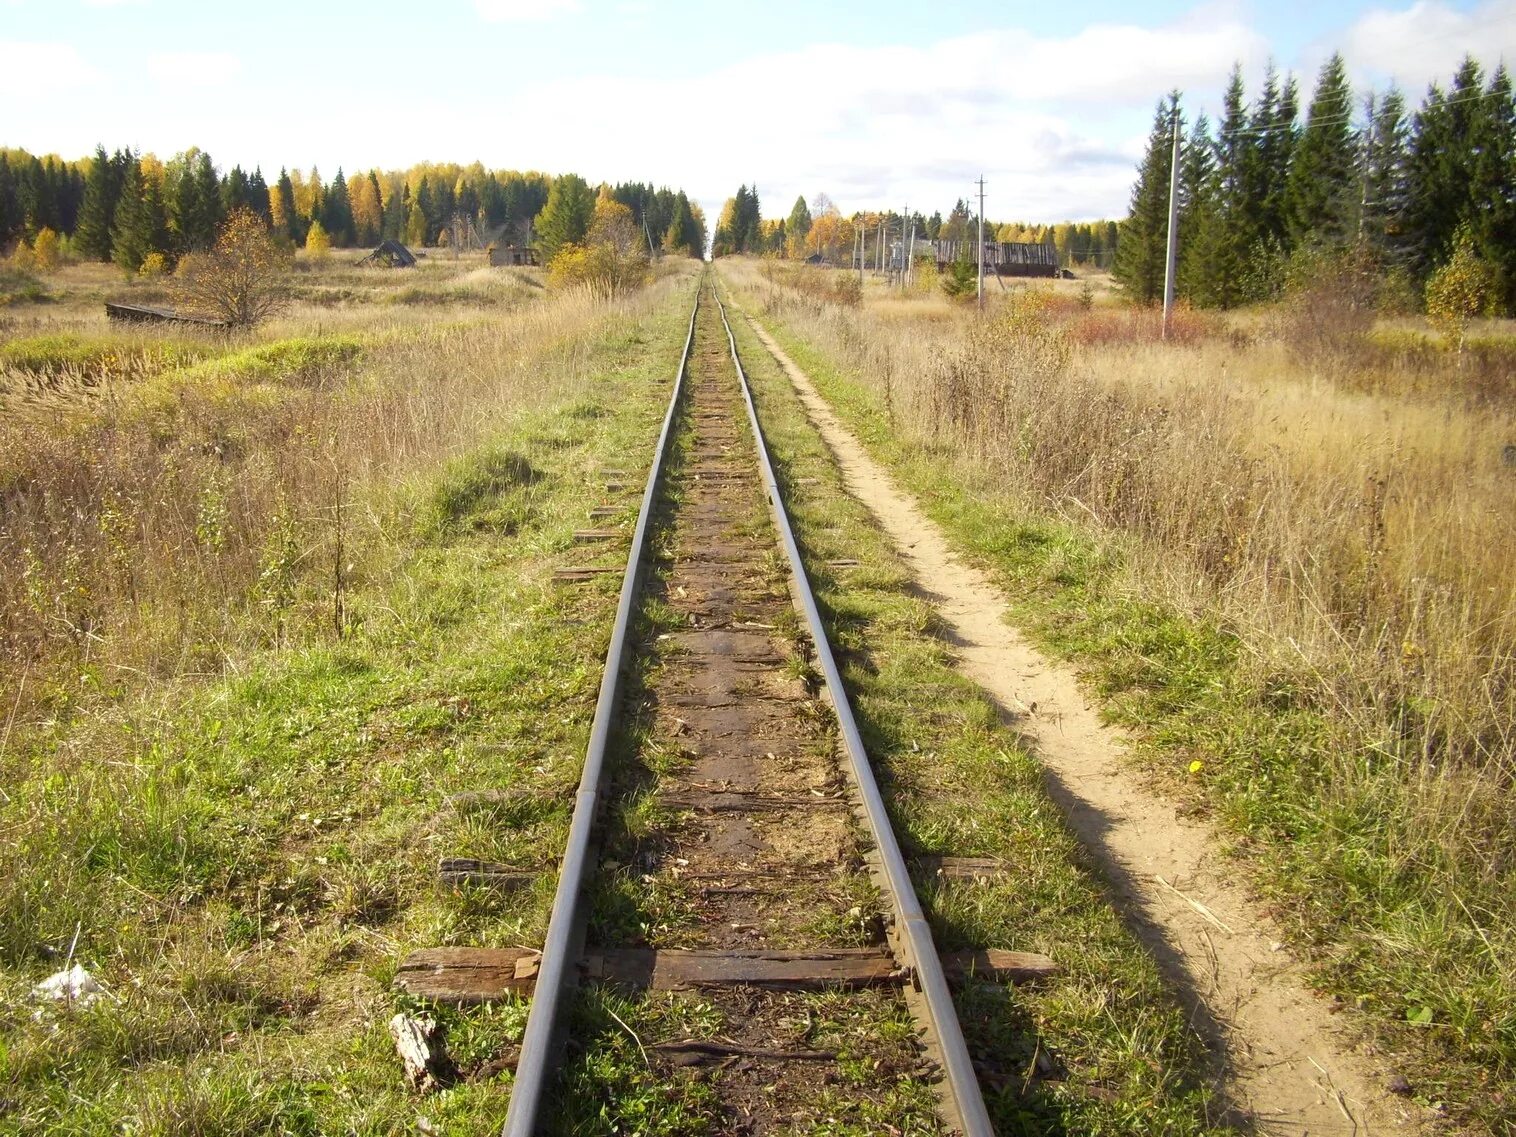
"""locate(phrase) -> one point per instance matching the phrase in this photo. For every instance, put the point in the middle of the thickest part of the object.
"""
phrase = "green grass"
(99, 355)
(1433, 971)
(243, 862)
(1122, 1058)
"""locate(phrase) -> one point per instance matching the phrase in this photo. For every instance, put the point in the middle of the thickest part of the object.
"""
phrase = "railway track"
(729, 844)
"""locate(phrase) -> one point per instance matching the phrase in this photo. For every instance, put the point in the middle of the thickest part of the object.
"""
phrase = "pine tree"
(1441, 168)
(208, 186)
(234, 191)
(1493, 189)
(257, 195)
(798, 225)
(10, 214)
(396, 206)
(337, 213)
(283, 216)
(1384, 199)
(677, 239)
(131, 234)
(1141, 253)
(92, 237)
(1321, 192)
(566, 216)
(1200, 217)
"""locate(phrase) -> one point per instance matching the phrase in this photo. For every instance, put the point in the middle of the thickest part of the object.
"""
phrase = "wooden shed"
(502, 256)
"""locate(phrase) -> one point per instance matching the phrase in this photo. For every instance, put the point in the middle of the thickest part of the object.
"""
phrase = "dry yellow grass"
(159, 518)
(1290, 556)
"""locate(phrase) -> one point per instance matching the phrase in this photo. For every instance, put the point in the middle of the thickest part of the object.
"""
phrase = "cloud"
(524, 11)
(1427, 41)
(193, 68)
(33, 67)
(1056, 125)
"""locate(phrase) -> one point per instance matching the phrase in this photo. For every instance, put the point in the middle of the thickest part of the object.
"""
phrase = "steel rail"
(913, 932)
(564, 928)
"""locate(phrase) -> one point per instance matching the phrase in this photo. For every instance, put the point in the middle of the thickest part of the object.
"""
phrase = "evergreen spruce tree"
(10, 216)
(337, 213)
(1493, 189)
(285, 217)
(1441, 169)
(566, 216)
(234, 191)
(1382, 222)
(131, 233)
(799, 225)
(1234, 223)
(396, 206)
(92, 236)
(1322, 186)
(208, 188)
(1142, 250)
(1200, 217)
(257, 194)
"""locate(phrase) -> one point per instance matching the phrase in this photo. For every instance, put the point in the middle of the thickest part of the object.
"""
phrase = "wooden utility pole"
(981, 243)
(1172, 257)
(904, 261)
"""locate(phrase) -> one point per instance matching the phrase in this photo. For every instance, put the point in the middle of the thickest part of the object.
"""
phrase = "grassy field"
(1281, 549)
(230, 742)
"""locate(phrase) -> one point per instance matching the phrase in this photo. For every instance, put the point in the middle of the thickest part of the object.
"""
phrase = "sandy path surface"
(1286, 1062)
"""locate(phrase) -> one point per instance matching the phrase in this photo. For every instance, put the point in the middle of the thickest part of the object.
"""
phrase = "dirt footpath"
(1289, 1066)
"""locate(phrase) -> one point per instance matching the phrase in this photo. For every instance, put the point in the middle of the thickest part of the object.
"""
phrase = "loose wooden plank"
(462, 976)
(996, 963)
(669, 969)
(456, 871)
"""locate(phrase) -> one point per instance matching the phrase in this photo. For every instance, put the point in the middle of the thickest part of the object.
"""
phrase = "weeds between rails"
(735, 867)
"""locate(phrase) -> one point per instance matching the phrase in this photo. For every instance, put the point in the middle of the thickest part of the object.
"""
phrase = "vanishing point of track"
(769, 830)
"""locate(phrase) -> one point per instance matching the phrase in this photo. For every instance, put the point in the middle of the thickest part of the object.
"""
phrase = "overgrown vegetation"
(304, 626)
(1303, 585)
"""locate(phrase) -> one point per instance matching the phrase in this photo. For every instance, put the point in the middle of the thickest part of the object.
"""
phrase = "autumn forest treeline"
(819, 229)
(139, 211)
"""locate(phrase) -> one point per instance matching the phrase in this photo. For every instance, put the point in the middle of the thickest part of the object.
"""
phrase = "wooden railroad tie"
(742, 801)
(586, 535)
(958, 868)
(461, 976)
(606, 511)
(584, 572)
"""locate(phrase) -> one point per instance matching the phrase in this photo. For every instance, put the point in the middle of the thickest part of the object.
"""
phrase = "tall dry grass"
(157, 521)
(1344, 511)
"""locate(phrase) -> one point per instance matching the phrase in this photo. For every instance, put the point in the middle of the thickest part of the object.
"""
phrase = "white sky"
(876, 104)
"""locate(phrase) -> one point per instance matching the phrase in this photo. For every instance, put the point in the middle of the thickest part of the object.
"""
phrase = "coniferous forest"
(1271, 192)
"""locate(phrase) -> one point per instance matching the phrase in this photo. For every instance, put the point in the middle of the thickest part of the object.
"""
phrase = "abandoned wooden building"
(390, 254)
(506, 255)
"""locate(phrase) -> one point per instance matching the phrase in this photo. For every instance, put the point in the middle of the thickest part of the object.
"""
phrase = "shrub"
(45, 251)
(242, 280)
(1460, 290)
